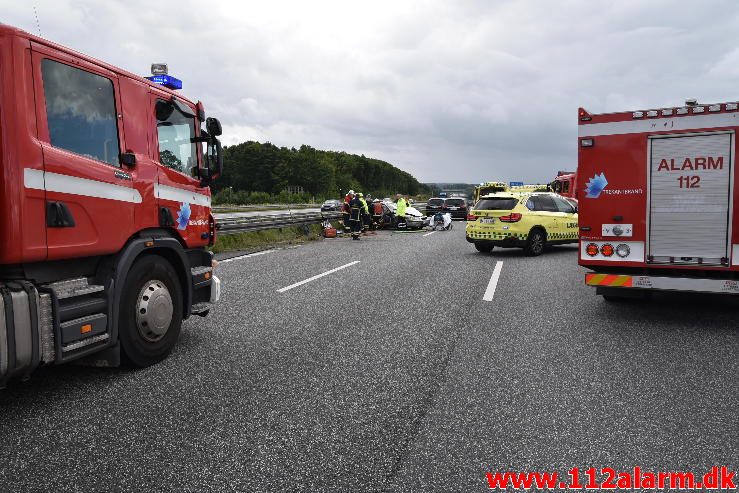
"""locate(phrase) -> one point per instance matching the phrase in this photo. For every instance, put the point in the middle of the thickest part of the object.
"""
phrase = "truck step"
(73, 308)
(74, 287)
(85, 342)
(83, 328)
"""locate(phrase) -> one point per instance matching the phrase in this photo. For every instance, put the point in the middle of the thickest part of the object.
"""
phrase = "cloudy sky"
(449, 90)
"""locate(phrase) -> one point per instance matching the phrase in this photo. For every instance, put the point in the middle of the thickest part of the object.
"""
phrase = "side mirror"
(213, 126)
(213, 161)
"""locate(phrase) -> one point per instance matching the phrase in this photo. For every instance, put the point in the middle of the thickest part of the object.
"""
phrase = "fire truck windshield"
(177, 150)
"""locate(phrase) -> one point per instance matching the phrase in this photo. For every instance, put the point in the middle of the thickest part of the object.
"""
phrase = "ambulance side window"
(175, 132)
(80, 112)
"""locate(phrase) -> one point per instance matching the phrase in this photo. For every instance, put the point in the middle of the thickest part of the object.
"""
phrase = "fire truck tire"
(484, 248)
(535, 243)
(151, 312)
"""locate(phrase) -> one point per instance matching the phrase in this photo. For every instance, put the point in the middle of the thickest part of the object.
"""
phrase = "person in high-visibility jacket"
(400, 211)
(365, 210)
(355, 219)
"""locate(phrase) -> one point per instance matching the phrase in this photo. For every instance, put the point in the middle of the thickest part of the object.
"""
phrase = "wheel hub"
(154, 309)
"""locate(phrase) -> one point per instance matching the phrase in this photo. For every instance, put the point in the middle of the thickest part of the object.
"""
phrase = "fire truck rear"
(104, 209)
(656, 210)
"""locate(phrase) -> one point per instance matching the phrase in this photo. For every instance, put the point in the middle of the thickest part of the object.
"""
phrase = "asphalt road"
(391, 374)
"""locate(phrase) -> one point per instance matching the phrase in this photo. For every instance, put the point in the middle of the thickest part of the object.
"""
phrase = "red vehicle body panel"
(30, 165)
(617, 144)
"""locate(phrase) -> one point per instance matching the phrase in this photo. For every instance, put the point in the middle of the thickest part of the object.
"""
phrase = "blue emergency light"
(516, 184)
(166, 81)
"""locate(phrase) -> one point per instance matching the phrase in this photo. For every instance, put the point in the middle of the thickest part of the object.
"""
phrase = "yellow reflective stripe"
(621, 280)
(595, 279)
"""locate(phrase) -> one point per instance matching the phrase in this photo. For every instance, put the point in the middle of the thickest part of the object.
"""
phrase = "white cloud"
(467, 90)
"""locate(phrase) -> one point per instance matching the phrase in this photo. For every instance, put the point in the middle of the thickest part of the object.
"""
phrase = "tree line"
(255, 172)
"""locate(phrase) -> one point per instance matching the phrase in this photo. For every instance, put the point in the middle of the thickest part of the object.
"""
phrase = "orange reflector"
(86, 328)
(607, 250)
(616, 281)
(149, 243)
(591, 249)
(207, 275)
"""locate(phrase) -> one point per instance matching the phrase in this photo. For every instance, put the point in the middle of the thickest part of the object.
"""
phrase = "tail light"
(592, 249)
(471, 217)
(607, 250)
(211, 230)
(511, 218)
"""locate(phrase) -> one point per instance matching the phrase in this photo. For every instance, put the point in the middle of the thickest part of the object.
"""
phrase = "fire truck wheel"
(151, 312)
(483, 248)
(535, 243)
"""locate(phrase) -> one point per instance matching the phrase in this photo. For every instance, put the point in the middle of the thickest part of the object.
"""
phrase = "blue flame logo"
(595, 186)
(183, 215)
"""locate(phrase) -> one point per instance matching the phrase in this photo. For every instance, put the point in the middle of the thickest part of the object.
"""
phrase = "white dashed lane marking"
(287, 288)
(490, 291)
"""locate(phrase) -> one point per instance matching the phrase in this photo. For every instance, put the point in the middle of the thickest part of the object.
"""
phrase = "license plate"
(487, 220)
(453, 208)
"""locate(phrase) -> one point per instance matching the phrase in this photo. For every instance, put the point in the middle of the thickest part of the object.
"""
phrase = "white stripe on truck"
(54, 182)
(166, 192)
(659, 124)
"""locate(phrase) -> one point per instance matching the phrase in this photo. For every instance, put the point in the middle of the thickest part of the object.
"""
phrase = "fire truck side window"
(80, 111)
(175, 132)
(565, 186)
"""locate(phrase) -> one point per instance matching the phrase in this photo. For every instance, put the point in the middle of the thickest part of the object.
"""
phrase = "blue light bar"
(516, 184)
(166, 81)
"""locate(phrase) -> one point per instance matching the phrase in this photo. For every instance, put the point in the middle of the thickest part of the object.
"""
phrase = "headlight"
(623, 250)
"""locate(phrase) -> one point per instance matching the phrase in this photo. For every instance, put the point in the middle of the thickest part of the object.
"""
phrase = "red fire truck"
(565, 184)
(104, 210)
(657, 203)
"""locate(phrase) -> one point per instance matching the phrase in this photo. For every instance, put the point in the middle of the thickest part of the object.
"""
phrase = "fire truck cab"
(657, 206)
(565, 184)
(105, 211)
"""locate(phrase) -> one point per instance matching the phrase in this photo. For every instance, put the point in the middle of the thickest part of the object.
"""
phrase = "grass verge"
(269, 237)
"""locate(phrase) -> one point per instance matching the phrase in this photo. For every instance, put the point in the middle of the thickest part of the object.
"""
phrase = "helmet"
(350, 192)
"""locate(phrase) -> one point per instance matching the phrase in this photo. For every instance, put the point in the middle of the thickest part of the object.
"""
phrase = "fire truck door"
(689, 198)
(180, 194)
(89, 194)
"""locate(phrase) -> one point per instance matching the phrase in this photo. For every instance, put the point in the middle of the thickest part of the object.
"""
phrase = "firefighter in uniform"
(355, 208)
(346, 213)
(364, 212)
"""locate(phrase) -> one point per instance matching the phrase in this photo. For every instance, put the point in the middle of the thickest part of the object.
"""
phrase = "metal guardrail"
(234, 225)
(243, 224)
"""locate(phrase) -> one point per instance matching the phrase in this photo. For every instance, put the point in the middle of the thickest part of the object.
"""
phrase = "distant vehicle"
(565, 184)
(434, 205)
(529, 221)
(488, 188)
(457, 207)
(331, 205)
(413, 217)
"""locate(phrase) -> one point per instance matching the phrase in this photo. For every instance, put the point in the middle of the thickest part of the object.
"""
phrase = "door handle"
(58, 215)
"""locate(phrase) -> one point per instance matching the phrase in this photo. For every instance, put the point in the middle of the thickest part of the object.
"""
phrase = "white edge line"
(490, 291)
(231, 259)
(286, 288)
(430, 233)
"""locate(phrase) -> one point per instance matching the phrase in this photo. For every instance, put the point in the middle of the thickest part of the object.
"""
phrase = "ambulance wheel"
(535, 243)
(150, 315)
(484, 248)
